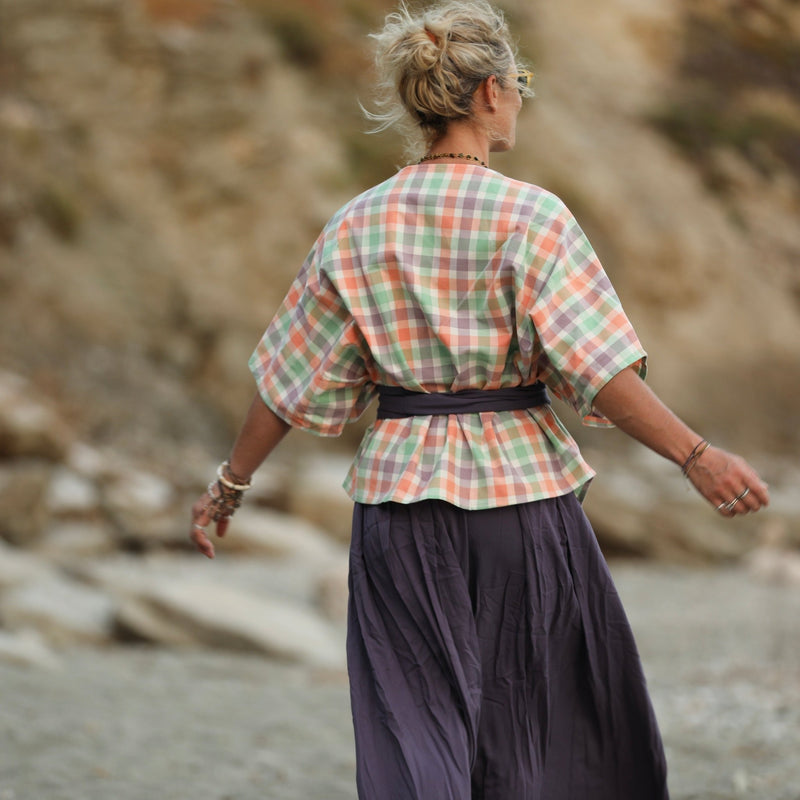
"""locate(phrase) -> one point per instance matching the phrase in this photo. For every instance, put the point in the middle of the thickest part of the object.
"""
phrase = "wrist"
(694, 456)
(233, 479)
(225, 493)
(237, 475)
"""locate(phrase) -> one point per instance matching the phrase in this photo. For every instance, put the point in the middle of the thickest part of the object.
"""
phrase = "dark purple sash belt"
(396, 402)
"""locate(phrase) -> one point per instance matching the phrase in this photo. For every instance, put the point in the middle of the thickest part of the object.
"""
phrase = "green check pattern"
(449, 277)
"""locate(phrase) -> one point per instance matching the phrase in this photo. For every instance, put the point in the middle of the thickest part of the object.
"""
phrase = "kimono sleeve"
(310, 365)
(582, 333)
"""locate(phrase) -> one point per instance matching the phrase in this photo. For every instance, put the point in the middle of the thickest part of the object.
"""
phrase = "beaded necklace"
(467, 156)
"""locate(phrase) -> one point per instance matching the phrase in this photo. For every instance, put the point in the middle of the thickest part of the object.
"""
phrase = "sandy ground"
(721, 650)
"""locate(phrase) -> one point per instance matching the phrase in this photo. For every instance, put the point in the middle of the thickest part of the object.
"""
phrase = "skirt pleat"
(490, 658)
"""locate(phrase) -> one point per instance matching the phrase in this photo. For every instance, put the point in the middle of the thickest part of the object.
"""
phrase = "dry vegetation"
(167, 164)
(739, 88)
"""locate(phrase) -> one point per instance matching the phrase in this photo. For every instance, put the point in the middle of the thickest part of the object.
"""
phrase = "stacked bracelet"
(236, 487)
(694, 457)
(225, 495)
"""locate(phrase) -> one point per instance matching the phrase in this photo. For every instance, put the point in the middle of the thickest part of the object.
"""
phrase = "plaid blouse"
(449, 277)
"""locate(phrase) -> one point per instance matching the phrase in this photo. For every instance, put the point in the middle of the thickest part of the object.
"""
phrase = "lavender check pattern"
(449, 277)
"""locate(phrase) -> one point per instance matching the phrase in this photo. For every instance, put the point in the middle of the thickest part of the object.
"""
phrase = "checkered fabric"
(449, 277)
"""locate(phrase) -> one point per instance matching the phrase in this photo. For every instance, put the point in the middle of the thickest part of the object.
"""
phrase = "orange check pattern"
(449, 277)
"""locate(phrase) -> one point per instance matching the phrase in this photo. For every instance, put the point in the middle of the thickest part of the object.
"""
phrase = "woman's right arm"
(260, 433)
(719, 476)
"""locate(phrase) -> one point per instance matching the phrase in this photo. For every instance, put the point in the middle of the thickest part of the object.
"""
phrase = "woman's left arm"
(719, 476)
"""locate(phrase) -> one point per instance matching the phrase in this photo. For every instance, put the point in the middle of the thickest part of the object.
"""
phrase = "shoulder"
(364, 201)
(488, 192)
(356, 218)
(535, 202)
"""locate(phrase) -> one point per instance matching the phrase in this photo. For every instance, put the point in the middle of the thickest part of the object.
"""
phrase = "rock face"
(29, 428)
(166, 167)
(99, 553)
(647, 122)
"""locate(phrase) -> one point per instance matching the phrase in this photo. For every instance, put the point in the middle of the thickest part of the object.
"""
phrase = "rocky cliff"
(164, 167)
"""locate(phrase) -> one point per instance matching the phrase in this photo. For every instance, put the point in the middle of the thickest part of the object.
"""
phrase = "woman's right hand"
(201, 519)
(728, 482)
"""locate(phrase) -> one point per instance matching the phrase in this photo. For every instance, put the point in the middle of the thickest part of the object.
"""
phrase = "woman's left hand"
(728, 482)
(201, 519)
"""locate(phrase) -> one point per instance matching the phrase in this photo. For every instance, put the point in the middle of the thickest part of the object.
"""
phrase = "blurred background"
(165, 165)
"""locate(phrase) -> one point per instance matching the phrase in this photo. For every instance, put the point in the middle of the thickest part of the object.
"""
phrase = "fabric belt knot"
(395, 402)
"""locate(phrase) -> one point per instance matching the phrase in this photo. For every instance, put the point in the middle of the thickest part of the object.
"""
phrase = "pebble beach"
(721, 648)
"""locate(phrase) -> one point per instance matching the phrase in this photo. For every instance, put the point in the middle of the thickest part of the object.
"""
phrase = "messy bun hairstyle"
(430, 63)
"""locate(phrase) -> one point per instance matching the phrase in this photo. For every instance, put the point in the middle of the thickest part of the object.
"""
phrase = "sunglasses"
(524, 79)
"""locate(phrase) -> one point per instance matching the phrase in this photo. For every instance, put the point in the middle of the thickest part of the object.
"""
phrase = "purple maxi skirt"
(490, 658)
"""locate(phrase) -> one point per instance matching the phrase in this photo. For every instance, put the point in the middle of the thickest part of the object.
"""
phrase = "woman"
(488, 653)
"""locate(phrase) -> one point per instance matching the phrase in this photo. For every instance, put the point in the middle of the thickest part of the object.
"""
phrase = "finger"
(741, 503)
(728, 504)
(222, 526)
(744, 487)
(754, 494)
(200, 513)
(202, 542)
(749, 501)
(723, 509)
(760, 490)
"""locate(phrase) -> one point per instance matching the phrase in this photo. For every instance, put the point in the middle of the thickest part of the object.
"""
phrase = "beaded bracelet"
(236, 487)
(222, 502)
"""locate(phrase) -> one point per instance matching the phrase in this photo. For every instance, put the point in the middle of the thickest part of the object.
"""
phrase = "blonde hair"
(431, 62)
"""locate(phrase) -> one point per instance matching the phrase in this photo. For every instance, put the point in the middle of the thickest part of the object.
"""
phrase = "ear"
(490, 92)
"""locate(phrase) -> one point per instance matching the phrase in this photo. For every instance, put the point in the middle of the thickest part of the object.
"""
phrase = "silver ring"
(198, 527)
(732, 504)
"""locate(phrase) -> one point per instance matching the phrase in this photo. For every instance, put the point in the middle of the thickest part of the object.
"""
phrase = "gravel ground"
(721, 650)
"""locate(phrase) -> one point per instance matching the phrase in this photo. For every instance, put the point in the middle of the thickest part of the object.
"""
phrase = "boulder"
(332, 591)
(70, 539)
(135, 491)
(18, 567)
(26, 648)
(317, 494)
(29, 425)
(273, 534)
(775, 565)
(641, 506)
(143, 507)
(139, 620)
(218, 616)
(71, 494)
(668, 530)
(295, 580)
(88, 461)
(23, 511)
(63, 611)
(120, 575)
